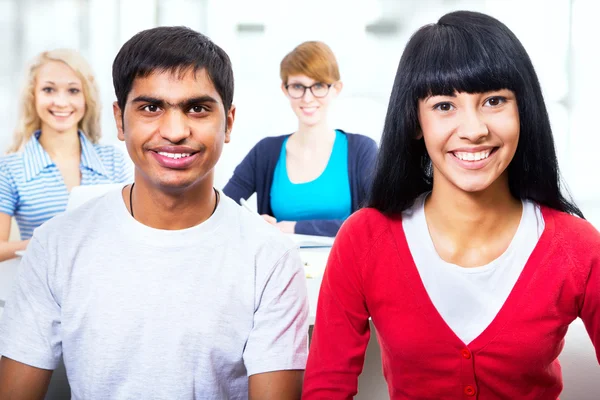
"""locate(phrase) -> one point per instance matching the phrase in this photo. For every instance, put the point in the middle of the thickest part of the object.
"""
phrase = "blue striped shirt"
(32, 188)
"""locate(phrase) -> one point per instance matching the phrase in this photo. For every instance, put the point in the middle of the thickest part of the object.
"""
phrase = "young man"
(165, 289)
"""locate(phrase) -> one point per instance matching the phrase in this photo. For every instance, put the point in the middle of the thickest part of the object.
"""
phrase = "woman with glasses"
(470, 261)
(309, 181)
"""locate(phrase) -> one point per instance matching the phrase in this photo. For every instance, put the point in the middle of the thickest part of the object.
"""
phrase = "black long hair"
(473, 53)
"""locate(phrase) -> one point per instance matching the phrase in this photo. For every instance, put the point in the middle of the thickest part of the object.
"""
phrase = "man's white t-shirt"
(142, 313)
(468, 299)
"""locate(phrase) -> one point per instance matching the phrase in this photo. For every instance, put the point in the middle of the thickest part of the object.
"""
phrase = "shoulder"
(251, 234)
(71, 227)
(271, 142)
(364, 228)
(12, 164)
(108, 152)
(573, 231)
(361, 145)
(575, 238)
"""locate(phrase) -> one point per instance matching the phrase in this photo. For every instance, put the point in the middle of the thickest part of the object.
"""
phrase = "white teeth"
(466, 156)
(174, 155)
(61, 114)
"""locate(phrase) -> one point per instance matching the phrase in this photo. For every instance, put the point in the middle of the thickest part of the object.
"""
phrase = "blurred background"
(367, 36)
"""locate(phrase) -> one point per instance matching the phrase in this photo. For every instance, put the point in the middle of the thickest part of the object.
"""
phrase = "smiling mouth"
(473, 156)
(175, 156)
(61, 113)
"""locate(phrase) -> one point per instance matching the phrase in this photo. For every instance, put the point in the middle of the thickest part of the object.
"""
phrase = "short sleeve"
(30, 324)
(123, 167)
(9, 197)
(279, 338)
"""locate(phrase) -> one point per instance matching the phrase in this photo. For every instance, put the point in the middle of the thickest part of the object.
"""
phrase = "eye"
(74, 91)
(297, 86)
(150, 108)
(47, 89)
(198, 109)
(495, 101)
(318, 85)
(444, 106)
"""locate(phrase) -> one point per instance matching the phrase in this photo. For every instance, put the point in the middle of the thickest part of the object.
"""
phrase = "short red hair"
(313, 59)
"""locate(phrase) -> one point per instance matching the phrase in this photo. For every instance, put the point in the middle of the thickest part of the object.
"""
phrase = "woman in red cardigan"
(469, 260)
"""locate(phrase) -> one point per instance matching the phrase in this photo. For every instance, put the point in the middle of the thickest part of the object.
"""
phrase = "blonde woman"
(55, 146)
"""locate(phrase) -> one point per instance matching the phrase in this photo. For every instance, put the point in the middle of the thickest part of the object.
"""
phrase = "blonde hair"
(313, 59)
(29, 121)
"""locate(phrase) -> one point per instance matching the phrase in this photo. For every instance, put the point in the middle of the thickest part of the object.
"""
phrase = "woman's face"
(310, 107)
(59, 99)
(470, 138)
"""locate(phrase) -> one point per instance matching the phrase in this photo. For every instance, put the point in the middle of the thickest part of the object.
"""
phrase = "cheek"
(42, 103)
(79, 103)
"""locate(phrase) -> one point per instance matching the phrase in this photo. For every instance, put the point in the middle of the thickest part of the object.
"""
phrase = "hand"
(286, 226)
(269, 219)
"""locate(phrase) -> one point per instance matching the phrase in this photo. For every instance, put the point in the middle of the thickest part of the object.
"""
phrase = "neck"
(60, 144)
(173, 209)
(313, 136)
(470, 219)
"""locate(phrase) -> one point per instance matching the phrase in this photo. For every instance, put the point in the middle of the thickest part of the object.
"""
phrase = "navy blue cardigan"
(255, 174)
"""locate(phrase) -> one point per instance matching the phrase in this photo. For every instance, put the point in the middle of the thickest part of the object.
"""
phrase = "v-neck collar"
(508, 309)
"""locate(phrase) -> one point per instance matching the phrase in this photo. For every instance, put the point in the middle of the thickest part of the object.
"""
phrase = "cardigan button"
(469, 390)
(465, 353)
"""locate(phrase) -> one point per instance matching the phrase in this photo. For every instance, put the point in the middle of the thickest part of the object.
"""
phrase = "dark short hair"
(171, 48)
(473, 53)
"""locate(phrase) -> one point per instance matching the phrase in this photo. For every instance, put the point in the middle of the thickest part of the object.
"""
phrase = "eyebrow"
(69, 83)
(185, 104)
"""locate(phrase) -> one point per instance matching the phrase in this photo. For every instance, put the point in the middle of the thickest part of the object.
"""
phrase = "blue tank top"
(327, 197)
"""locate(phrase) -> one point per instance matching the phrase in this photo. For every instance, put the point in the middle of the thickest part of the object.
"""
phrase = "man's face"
(174, 126)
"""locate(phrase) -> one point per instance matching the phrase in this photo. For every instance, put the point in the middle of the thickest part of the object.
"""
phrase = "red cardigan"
(371, 273)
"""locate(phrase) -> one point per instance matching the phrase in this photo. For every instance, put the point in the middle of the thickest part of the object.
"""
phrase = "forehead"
(174, 86)
(303, 79)
(57, 72)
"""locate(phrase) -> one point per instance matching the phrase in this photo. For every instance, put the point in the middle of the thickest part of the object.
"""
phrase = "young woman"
(55, 146)
(308, 182)
(469, 260)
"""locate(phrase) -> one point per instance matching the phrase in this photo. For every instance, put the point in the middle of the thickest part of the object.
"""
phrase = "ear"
(283, 89)
(118, 114)
(339, 85)
(229, 119)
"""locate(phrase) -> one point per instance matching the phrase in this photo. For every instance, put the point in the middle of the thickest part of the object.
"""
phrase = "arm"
(341, 333)
(22, 382)
(30, 342)
(279, 385)
(275, 353)
(590, 308)
(242, 184)
(8, 205)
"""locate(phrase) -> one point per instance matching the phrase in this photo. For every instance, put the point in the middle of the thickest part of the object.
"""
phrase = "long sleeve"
(243, 182)
(590, 310)
(341, 333)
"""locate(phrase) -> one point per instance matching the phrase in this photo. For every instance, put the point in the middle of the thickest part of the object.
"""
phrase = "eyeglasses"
(297, 90)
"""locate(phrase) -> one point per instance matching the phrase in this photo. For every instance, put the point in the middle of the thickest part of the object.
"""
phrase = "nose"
(308, 95)
(60, 99)
(174, 126)
(472, 126)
